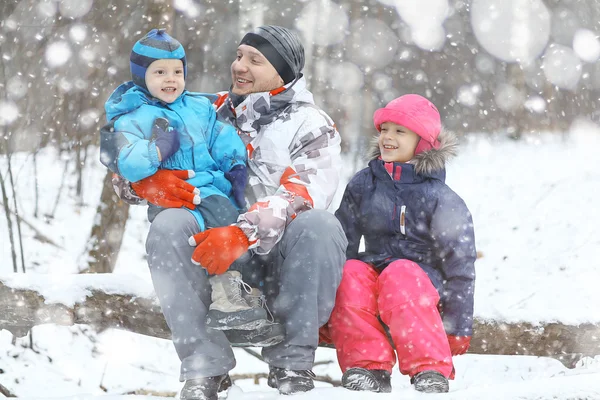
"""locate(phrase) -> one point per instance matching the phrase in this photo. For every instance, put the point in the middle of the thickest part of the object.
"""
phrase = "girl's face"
(397, 143)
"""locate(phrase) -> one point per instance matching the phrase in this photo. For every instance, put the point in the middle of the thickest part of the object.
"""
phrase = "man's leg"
(301, 286)
(184, 295)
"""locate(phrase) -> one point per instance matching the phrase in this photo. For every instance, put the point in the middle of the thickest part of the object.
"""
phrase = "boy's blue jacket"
(208, 146)
(403, 214)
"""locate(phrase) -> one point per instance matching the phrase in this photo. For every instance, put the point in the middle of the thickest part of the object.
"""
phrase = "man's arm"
(309, 182)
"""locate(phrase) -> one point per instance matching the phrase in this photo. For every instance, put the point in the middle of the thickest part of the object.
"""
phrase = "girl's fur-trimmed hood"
(431, 160)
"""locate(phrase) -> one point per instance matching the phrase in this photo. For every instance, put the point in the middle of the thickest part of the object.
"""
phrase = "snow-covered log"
(126, 302)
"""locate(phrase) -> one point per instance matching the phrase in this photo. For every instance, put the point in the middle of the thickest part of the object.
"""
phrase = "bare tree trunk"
(35, 182)
(160, 14)
(516, 78)
(14, 191)
(7, 136)
(107, 233)
(252, 14)
(60, 189)
(8, 223)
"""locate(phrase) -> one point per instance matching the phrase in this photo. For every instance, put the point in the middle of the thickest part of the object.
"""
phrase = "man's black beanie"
(281, 47)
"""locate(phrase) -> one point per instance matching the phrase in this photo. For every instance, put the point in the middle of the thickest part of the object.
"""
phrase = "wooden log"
(23, 305)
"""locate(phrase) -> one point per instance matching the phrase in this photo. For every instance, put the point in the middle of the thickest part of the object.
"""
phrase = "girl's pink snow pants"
(406, 301)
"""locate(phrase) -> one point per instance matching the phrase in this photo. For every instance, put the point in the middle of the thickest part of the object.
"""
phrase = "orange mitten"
(218, 248)
(168, 189)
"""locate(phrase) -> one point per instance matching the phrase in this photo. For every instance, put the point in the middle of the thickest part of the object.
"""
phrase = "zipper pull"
(403, 220)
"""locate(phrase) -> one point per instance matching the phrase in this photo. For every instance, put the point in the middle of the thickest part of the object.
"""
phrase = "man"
(297, 249)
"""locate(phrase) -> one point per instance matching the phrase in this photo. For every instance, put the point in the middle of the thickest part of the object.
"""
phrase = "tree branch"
(39, 236)
(5, 392)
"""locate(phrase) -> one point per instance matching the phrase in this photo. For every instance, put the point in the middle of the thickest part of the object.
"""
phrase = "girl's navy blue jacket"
(406, 211)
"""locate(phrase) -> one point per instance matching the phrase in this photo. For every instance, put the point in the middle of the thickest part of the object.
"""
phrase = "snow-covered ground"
(536, 225)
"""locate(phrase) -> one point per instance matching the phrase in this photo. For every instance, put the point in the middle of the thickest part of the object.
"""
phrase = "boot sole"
(266, 335)
(363, 382)
(272, 341)
(245, 320)
(432, 387)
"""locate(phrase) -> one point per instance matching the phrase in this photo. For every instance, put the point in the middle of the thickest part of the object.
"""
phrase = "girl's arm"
(452, 229)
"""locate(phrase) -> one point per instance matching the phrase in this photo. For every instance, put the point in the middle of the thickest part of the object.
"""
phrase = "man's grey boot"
(205, 388)
(229, 309)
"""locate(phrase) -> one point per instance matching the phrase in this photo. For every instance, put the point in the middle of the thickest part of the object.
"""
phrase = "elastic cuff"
(153, 155)
(243, 236)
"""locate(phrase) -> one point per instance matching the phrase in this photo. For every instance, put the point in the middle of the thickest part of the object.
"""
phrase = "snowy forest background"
(519, 80)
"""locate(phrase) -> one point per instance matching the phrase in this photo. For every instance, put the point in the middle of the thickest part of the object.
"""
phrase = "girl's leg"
(357, 333)
(408, 306)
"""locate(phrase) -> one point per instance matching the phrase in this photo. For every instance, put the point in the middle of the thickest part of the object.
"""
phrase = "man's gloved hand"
(218, 248)
(167, 141)
(238, 176)
(167, 188)
(459, 344)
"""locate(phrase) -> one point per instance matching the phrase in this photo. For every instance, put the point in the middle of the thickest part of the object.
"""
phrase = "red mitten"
(168, 189)
(459, 344)
(218, 248)
(325, 335)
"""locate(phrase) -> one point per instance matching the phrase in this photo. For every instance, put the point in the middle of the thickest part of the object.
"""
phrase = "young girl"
(412, 289)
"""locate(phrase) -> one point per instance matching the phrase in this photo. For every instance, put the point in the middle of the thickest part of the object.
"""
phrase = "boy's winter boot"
(289, 381)
(372, 380)
(205, 388)
(229, 309)
(267, 334)
(255, 298)
(430, 382)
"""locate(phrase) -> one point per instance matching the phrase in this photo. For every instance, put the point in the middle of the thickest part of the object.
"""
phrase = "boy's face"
(397, 143)
(164, 79)
(251, 72)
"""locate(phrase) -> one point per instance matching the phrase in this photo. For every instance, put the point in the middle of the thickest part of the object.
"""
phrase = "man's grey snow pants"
(300, 277)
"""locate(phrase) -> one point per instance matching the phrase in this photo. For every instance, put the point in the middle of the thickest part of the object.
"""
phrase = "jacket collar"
(402, 172)
(430, 161)
(128, 97)
(259, 109)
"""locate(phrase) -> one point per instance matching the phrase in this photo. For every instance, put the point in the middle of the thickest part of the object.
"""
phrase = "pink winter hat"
(415, 113)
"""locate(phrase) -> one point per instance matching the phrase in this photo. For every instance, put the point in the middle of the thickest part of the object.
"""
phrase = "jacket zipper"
(403, 220)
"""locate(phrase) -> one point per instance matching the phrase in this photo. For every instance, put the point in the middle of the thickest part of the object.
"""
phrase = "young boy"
(156, 125)
(418, 260)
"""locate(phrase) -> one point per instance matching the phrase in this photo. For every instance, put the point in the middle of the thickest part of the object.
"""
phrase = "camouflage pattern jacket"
(293, 158)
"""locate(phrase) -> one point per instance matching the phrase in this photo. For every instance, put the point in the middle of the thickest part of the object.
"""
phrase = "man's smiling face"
(251, 72)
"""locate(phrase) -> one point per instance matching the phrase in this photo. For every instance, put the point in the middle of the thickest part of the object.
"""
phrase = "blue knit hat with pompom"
(155, 45)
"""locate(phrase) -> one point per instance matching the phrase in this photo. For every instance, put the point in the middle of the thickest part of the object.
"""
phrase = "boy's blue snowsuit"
(208, 146)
